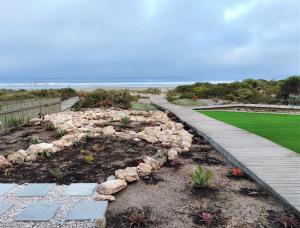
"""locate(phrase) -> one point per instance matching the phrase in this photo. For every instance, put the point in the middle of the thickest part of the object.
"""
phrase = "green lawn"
(282, 129)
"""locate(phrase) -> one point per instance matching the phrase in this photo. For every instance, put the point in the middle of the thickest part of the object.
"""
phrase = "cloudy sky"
(219, 39)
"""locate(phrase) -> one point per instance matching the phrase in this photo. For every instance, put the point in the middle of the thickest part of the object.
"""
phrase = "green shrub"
(60, 133)
(126, 120)
(57, 173)
(105, 98)
(289, 86)
(138, 106)
(34, 139)
(46, 154)
(155, 91)
(200, 178)
(89, 159)
(64, 93)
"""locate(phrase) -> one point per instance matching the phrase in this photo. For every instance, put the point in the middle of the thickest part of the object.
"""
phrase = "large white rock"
(172, 154)
(17, 157)
(109, 130)
(38, 148)
(99, 197)
(129, 174)
(152, 162)
(111, 187)
(144, 169)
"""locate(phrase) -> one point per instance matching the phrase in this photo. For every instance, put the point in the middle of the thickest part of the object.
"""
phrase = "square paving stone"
(88, 210)
(36, 190)
(80, 189)
(4, 207)
(39, 211)
(4, 188)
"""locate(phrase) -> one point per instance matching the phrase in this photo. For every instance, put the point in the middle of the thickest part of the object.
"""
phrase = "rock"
(17, 157)
(111, 177)
(100, 223)
(161, 157)
(99, 197)
(109, 130)
(4, 163)
(129, 174)
(144, 169)
(31, 157)
(38, 148)
(172, 154)
(148, 138)
(152, 162)
(35, 121)
(111, 187)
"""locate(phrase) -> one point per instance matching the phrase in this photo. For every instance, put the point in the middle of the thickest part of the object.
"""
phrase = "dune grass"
(283, 129)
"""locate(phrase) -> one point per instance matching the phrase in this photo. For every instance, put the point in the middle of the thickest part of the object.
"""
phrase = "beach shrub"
(105, 98)
(200, 178)
(9, 94)
(289, 86)
(247, 91)
(155, 91)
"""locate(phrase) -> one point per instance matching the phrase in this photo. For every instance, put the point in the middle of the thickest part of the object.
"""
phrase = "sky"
(105, 39)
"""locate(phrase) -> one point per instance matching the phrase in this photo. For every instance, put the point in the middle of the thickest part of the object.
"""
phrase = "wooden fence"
(16, 112)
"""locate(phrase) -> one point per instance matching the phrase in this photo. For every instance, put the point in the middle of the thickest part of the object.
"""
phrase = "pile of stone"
(81, 125)
(119, 182)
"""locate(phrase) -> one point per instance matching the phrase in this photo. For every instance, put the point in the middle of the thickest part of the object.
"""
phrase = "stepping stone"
(38, 211)
(88, 210)
(35, 190)
(4, 207)
(80, 189)
(4, 188)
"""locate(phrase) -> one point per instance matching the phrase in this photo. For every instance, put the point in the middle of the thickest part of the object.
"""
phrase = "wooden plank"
(275, 167)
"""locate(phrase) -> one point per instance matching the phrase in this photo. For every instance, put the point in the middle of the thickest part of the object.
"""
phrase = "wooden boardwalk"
(68, 104)
(273, 166)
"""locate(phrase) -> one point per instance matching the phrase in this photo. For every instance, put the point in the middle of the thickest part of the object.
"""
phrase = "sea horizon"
(120, 82)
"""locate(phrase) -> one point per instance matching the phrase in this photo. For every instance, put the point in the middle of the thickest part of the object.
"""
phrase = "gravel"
(19, 203)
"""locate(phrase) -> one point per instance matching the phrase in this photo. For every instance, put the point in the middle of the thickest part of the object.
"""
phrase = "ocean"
(86, 82)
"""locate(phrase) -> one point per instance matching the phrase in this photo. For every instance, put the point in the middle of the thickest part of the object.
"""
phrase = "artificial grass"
(283, 129)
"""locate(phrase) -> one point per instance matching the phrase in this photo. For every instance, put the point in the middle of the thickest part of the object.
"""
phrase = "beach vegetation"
(100, 97)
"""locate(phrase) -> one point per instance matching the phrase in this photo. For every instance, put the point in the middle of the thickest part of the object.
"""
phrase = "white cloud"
(238, 10)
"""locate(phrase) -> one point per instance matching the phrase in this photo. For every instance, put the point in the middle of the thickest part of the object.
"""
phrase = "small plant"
(175, 163)
(34, 139)
(89, 159)
(82, 151)
(57, 173)
(95, 147)
(46, 154)
(126, 120)
(205, 148)
(49, 126)
(206, 217)
(60, 133)
(287, 221)
(236, 172)
(200, 178)
(137, 220)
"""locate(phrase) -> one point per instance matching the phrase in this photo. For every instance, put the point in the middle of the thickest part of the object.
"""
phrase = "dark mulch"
(283, 219)
(217, 219)
(253, 192)
(131, 217)
(69, 166)
(152, 179)
(204, 192)
(17, 139)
